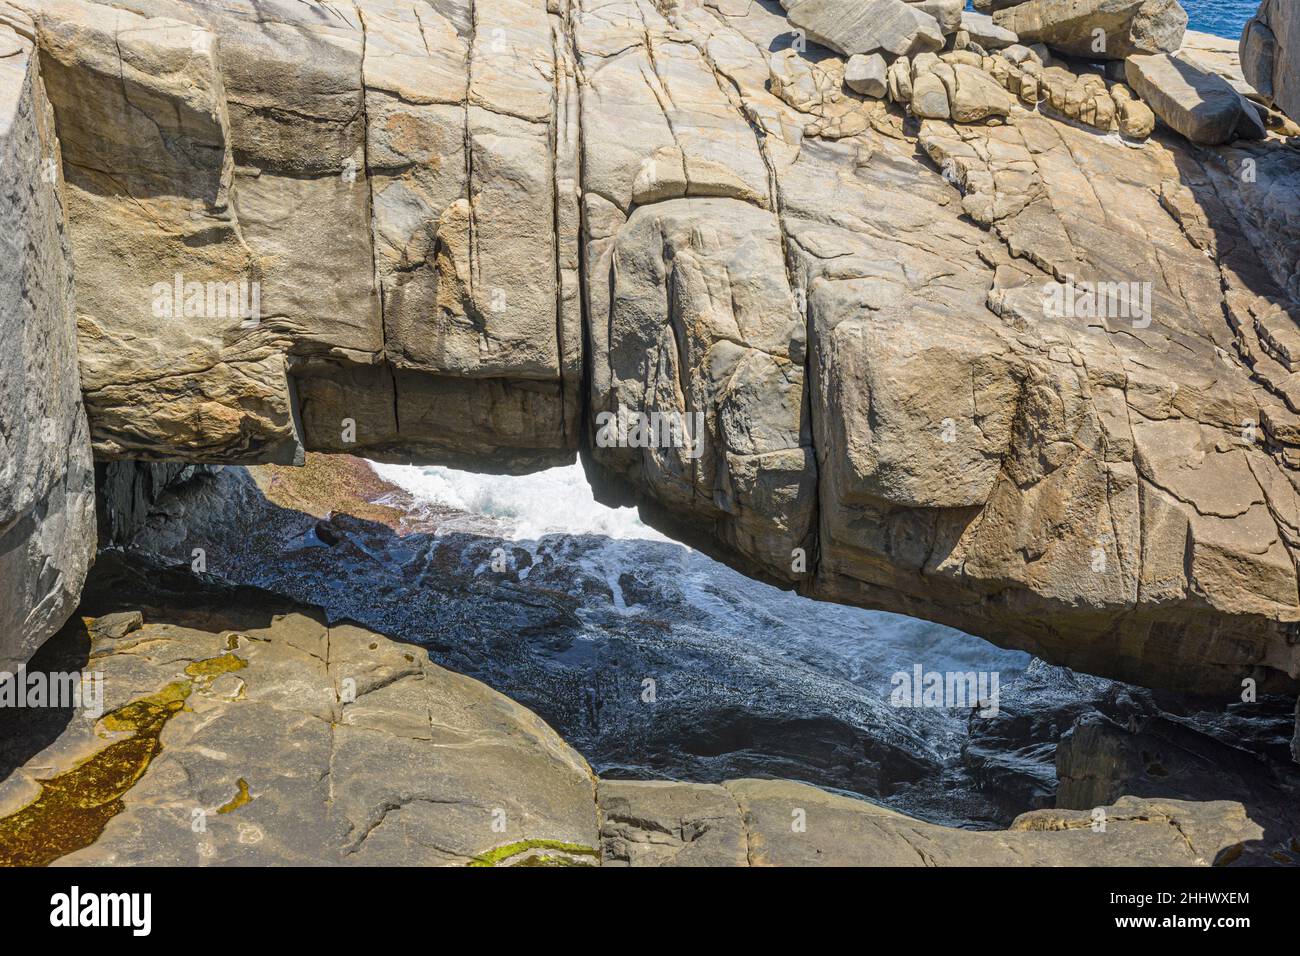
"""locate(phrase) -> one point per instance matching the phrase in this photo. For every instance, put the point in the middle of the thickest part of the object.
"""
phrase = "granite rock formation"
(1270, 54)
(968, 362)
(47, 516)
(1106, 29)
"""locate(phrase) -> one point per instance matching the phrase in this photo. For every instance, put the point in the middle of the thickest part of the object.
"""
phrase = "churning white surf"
(554, 501)
(862, 646)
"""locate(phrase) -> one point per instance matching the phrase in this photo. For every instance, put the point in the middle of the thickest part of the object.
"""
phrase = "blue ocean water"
(1225, 18)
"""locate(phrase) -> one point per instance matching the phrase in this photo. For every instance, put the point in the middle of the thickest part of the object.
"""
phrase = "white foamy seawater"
(555, 501)
(860, 645)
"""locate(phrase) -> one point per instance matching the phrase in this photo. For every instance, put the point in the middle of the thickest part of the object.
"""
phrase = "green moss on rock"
(500, 855)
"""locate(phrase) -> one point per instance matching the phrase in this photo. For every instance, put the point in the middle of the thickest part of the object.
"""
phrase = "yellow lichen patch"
(215, 666)
(73, 808)
(524, 853)
(238, 800)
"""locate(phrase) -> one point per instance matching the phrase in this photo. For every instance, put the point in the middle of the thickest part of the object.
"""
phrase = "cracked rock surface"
(291, 742)
(477, 226)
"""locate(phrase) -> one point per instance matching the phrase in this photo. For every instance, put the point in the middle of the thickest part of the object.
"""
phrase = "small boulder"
(867, 75)
(973, 95)
(900, 81)
(1136, 120)
(929, 97)
(982, 30)
(1018, 54)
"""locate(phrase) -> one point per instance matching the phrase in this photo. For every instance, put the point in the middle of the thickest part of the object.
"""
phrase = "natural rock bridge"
(464, 229)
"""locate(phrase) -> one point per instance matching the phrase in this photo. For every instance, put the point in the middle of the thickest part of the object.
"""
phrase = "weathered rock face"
(981, 28)
(1270, 54)
(435, 320)
(47, 516)
(968, 389)
(1104, 29)
(780, 823)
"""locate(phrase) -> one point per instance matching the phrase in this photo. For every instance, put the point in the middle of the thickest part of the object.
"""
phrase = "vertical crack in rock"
(472, 217)
(732, 90)
(370, 209)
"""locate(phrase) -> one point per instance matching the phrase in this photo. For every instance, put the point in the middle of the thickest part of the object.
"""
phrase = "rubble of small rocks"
(1149, 76)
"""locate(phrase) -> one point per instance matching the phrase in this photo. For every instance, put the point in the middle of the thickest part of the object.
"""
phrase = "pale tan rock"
(748, 243)
(1202, 106)
(947, 13)
(973, 96)
(885, 26)
(866, 75)
(900, 81)
(930, 97)
(792, 824)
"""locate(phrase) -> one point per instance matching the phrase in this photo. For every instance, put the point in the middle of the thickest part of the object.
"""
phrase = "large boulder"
(1270, 54)
(1202, 106)
(1101, 29)
(869, 26)
(947, 13)
(47, 513)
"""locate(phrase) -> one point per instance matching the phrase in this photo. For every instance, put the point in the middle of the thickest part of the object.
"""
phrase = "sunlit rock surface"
(473, 232)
